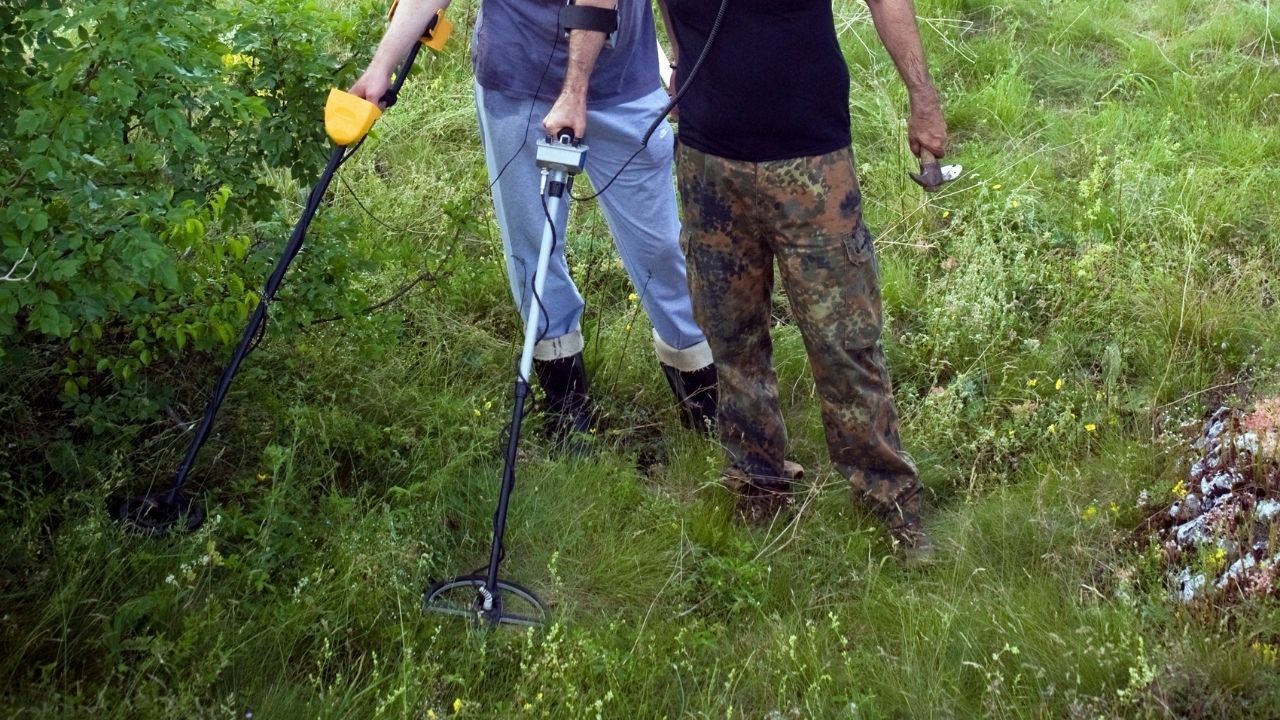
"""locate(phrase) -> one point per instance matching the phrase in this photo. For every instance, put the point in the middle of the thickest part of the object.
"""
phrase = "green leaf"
(168, 274)
(30, 120)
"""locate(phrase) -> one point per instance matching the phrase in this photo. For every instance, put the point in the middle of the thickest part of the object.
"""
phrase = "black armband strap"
(586, 17)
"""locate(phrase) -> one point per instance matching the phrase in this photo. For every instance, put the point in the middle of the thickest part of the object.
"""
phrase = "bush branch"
(9, 276)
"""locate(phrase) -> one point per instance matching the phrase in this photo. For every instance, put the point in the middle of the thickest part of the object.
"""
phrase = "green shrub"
(143, 167)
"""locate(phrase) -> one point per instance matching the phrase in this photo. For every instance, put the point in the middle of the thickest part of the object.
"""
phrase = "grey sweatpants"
(640, 208)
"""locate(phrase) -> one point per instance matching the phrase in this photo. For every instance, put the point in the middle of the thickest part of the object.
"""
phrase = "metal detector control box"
(566, 154)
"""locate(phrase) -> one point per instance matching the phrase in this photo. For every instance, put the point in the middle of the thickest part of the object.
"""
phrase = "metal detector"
(482, 596)
(347, 120)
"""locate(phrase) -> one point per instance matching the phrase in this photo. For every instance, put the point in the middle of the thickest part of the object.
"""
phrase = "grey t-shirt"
(513, 45)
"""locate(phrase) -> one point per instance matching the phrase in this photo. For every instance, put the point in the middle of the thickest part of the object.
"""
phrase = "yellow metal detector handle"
(348, 118)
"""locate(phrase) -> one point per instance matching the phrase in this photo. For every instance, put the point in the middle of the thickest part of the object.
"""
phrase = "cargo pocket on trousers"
(858, 244)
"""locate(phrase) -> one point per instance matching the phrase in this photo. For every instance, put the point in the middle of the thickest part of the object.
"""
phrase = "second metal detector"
(347, 120)
(482, 596)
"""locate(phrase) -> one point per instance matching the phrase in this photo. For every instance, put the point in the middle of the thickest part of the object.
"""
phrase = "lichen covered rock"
(1221, 536)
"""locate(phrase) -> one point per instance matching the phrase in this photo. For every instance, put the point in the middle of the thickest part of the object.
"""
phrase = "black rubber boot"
(696, 395)
(567, 405)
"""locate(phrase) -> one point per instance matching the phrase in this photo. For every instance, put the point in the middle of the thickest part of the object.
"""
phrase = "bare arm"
(895, 22)
(406, 28)
(671, 33)
(570, 108)
(673, 86)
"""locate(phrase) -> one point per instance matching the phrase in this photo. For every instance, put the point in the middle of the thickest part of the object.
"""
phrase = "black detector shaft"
(159, 511)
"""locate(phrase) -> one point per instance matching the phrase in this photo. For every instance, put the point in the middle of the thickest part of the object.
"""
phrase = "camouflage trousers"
(805, 213)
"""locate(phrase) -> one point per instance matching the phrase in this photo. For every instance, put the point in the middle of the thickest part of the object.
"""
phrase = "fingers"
(927, 129)
(934, 145)
(553, 127)
(937, 150)
(937, 146)
(557, 120)
(933, 139)
(370, 90)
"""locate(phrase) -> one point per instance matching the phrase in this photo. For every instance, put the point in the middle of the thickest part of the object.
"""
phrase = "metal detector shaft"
(347, 121)
(255, 322)
(393, 93)
(556, 183)
(273, 284)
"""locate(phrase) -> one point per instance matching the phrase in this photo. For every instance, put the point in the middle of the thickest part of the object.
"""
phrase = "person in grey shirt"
(607, 94)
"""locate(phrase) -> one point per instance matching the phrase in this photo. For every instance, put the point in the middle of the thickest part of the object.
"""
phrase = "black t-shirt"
(774, 84)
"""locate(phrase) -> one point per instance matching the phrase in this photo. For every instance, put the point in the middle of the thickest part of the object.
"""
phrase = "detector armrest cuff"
(586, 17)
(436, 32)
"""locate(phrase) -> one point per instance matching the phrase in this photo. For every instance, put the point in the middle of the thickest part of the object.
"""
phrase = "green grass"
(1109, 260)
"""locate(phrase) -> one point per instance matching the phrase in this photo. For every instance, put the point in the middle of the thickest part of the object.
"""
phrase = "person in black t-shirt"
(766, 173)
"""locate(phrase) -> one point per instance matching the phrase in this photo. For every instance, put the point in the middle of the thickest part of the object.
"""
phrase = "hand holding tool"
(932, 175)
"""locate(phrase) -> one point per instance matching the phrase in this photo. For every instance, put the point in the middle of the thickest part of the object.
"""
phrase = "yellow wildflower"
(230, 60)
(1013, 204)
(997, 186)
(1266, 650)
(1032, 382)
(1219, 558)
(1180, 490)
(946, 214)
(1053, 428)
(457, 705)
(1090, 512)
(1090, 427)
(1058, 385)
(633, 297)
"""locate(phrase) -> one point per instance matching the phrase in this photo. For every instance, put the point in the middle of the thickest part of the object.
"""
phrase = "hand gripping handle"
(930, 176)
(348, 118)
